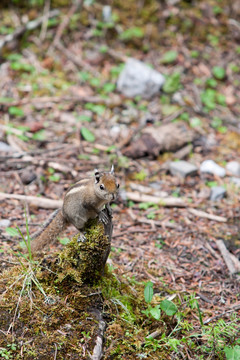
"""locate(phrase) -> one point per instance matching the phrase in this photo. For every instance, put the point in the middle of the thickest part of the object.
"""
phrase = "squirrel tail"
(49, 232)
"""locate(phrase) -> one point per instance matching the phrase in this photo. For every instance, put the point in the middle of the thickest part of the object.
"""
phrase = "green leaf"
(146, 205)
(212, 82)
(14, 57)
(222, 129)
(195, 122)
(98, 109)
(6, 99)
(148, 292)
(151, 215)
(12, 231)
(216, 122)
(54, 178)
(87, 134)
(64, 241)
(194, 53)
(208, 98)
(168, 307)
(133, 32)
(108, 87)
(103, 49)
(15, 111)
(219, 72)
(155, 312)
(172, 83)
(84, 118)
(221, 99)
(169, 57)
(39, 135)
(211, 183)
(232, 353)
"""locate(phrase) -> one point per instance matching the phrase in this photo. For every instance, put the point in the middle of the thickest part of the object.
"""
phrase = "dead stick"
(226, 256)
(75, 7)
(44, 203)
(235, 308)
(31, 25)
(203, 214)
(168, 201)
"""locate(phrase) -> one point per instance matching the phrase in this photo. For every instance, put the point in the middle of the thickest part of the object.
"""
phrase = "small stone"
(107, 14)
(217, 193)
(27, 176)
(5, 147)
(233, 167)
(235, 181)
(4, 223)
(139, 79)
(209, 166)
(182, 168)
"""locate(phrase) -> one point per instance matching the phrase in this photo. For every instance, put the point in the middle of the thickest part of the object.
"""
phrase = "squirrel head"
(106, 185)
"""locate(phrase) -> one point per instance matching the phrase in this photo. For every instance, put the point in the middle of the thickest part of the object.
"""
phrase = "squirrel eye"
(102, 187)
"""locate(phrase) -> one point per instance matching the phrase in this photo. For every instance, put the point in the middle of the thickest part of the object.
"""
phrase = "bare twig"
(44, 203)
(166, 201)
(31, 25)
(116, 101)
(235, 308)
(226, 256)
(203, 214)
(45, 22)
(75, 7)
(76, 59)
(98, 348)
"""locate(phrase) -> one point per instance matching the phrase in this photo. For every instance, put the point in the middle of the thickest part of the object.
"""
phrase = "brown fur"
(83, 201)
(109, 181)
(49, 234)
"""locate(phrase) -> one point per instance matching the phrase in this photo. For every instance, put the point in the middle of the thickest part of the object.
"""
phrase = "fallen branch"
(98, 348)
(37, 101)
(226, 256)
(75, 59)
(168, 201)
(31, 25)
(203, 214)
(235, 308)
(44, 203)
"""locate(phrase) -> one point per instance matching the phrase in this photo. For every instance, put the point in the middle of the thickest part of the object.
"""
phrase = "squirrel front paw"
(103, 217)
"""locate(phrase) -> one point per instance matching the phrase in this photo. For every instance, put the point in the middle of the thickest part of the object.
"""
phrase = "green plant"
(172, 83)
(166, 306)
(141, 175)
(169, 57)
(131, 33)
(87, 134)
(219, 72)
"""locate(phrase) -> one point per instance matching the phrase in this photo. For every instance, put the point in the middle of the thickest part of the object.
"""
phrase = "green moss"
(83, 258)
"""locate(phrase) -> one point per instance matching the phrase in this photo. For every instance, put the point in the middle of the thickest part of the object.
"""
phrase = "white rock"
(217, 193)
(233, 167)
(107, 13)
(182, 168)
(4, 223)
(235, 181)
(209, 166)
(139, 79)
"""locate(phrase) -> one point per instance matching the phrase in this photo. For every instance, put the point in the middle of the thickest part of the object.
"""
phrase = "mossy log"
(84, 258)
(72, 284)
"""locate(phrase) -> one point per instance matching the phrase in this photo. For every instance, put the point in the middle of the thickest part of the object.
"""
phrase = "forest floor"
(61, 117)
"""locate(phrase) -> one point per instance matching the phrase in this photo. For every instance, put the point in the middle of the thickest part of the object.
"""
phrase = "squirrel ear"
(97, 176)
(112, 170)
